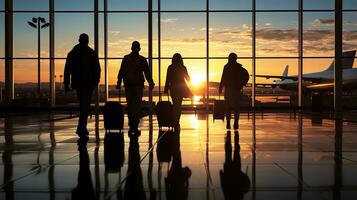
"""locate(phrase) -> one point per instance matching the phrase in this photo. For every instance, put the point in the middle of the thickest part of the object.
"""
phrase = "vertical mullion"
(106, 90)
(159, 43)
(338, 57)
(300, 49)
(150, 42)
(253, 50)
(207, 55)
(52, 55)
(96, 49)
(9, 67)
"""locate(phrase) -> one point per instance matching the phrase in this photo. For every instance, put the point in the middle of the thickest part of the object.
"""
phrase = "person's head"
(177, 59)
(83, 39)
(135, 46)
(232, 58)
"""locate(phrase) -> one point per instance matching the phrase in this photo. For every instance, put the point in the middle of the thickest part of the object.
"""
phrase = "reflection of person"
(234, 182)
(177, 180)
(84, 189)
(176, 78)
(134, 187)
(233, 79)
(82, 72)
(131, 72)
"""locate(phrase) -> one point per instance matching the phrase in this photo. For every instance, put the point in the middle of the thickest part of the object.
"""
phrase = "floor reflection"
(235, 183)
(273, 156)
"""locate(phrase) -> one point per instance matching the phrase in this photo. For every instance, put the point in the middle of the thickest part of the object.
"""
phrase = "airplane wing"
(295, 78)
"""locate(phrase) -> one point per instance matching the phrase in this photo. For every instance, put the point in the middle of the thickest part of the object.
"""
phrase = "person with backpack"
(82, 73)
(233, 79)
(132, 71)
(176, 78)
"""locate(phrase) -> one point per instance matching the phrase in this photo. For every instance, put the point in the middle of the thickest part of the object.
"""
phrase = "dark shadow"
(177, 181)
(164, 148)
(235, 183)
(84, 189)
(7, 160)
(134, 187)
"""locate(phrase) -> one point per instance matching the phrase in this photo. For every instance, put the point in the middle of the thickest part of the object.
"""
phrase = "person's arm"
(168, 80)
(97, 69)
(222, 83)
(121, 72)
(68, 72)
(148, 74)
(187, 76)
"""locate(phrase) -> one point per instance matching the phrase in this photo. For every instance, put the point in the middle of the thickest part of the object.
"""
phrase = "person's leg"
(84, 96)
(137, 101)
(236, 110)
(129, 102)
(227, 103)
(177, 102)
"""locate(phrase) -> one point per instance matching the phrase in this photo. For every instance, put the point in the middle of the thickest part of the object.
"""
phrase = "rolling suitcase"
(219, 110)
(113, 116)
(164, 114)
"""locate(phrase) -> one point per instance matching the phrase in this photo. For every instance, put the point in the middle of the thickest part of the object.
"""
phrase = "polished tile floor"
(273, 156)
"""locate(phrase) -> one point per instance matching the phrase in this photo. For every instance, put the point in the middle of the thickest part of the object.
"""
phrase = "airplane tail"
(286, 70)
(348, 58)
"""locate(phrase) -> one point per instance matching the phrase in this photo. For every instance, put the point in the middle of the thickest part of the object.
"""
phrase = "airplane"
(319, 81)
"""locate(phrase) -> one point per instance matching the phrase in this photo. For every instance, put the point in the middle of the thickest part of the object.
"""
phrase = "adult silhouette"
(132, 71)
(235, 183)
(177, 181)
(176, 78)
(84, 189)
(233, 79)
(82, 73)
(134, 186)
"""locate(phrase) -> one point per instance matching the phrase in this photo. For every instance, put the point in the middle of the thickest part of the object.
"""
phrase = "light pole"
(38, 23)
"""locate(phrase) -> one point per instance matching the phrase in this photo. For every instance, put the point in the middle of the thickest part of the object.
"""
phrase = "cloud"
(268, 24)
(115, 33)
(169, 20)
(323, 22)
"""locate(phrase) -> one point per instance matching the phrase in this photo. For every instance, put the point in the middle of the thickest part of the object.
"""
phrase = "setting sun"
(197, 79)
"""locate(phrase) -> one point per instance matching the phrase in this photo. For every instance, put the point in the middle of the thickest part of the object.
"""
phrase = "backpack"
(244, 76)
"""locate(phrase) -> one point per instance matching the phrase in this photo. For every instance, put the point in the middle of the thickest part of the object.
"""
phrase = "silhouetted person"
(235, 183)
(177, 181)
(176, 78)
(84, 189)
(134, 187)
(82, 73)
(132, 71)
(232, 81)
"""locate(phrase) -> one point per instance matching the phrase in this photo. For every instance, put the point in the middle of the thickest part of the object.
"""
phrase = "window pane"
(183, 5)
(276, 4)
(2, 35)
(227, 34)
(318, 34)
(277, 92)
(122, 34)
(72, 5)
(277, 34)
(2, 4)
(26, 36)
(349, 31)
(25, 78)
(183, 33)
(113, 69)
(68, 28)
(128, 5)
(33, 5)
(349, 4)
(318, 4)
(230, 4)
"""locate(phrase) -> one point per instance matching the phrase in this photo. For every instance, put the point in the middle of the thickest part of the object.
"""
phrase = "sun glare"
(197, 79)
